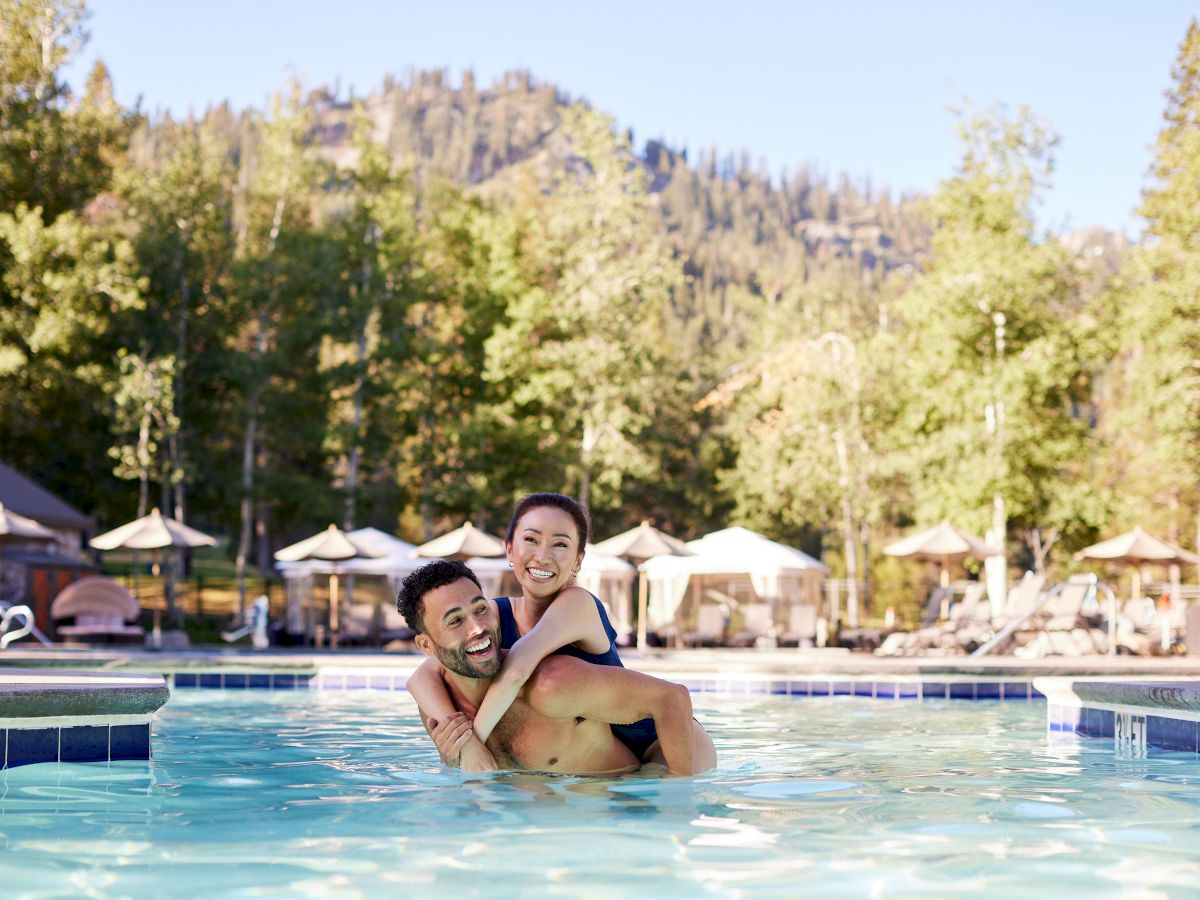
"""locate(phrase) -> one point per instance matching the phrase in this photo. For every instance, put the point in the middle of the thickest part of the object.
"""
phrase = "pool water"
(341, 794)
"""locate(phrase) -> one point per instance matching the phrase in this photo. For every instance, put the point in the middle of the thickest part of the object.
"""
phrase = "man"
(560, 721)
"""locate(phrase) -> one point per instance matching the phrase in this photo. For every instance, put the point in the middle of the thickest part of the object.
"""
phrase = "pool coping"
(1138, 715)
(76, 716)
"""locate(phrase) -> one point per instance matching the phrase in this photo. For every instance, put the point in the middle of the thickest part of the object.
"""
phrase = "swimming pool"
(340, 793)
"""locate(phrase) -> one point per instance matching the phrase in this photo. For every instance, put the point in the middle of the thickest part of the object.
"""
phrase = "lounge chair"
(100, 608)
(1057, 627)
(710, 627)
(756, 623)
(970, 613)
(801, 628)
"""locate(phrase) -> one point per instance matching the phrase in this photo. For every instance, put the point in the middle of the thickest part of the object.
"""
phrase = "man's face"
(462, 630)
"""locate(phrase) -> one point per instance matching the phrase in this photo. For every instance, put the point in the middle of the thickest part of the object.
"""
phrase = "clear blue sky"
(857, 87)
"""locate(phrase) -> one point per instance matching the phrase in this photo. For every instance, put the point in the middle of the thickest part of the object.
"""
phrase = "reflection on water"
(342, 794)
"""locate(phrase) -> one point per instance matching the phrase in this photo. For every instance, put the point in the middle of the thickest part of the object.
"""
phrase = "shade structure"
(638, 545)
(461, 543)
(1135, 548)
(152, 532)
(779, 575)
(333, 546)
(15, 529)
(642, 542)
(942, 543)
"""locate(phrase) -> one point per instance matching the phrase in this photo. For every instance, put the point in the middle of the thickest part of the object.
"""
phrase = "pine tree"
(1154, 420)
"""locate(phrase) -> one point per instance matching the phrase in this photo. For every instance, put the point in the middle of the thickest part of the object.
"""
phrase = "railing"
(1014, 624)
(6, 636)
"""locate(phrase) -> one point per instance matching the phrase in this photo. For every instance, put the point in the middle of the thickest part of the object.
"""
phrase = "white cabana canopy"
(611, 579)
(779, 575)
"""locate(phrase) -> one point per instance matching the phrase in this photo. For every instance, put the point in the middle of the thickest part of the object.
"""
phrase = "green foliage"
(578, 353)
(1153, 417)
(998, 353)
(54, 154)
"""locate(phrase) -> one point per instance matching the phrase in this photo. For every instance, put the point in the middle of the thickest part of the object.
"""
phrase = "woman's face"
(545, 551)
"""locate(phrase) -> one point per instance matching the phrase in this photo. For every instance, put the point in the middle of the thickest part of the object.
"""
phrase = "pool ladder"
(1015, 623)
(6, 618)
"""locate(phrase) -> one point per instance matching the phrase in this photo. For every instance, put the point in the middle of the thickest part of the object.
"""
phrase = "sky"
(862, 86)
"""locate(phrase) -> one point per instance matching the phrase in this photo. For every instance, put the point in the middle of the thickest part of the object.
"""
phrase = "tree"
(579, 347)
(1152, 419)
(53, 154)
(998, 351)
(64, 289)
(176, 189)
(276, 330)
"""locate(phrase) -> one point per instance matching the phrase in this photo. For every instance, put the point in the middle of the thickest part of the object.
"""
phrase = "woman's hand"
(459, 746)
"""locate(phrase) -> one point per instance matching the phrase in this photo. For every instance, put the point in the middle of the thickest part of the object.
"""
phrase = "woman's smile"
(545, 551)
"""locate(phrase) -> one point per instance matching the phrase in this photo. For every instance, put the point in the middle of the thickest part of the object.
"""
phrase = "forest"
(409, 308)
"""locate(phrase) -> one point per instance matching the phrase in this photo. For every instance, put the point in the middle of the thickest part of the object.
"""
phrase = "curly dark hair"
(569, 505)
(410, 601)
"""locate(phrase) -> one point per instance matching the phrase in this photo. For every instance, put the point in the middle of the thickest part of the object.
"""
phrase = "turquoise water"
(340, 794)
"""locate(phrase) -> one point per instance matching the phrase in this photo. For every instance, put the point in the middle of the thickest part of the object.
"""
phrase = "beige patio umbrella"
(638, 545)
(154, 532)
(461, 543)
(944, 544)
(18, 529)
(333, 546)
(1134, 548)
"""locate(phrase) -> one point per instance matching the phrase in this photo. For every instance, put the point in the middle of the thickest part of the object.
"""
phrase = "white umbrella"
(331, 545)
(638, 545)
(942, 543)
(1135, 548)
(154, 532)
(15, 528)
(461, 543)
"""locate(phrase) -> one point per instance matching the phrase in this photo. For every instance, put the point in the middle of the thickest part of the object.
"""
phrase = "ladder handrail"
(1016, 622)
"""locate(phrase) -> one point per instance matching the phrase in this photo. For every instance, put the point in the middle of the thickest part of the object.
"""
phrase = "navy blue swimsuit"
(637, 736)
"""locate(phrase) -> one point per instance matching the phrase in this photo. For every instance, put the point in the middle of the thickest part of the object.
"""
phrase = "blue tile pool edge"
(941, 688)
(29, 743)
(1074, 713)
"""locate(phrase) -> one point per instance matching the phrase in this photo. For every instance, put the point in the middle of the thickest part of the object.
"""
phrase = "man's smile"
(481, 648)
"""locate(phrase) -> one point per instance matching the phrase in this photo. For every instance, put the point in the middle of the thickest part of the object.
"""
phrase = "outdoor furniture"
(710, 627)
(100, 608)
(969, 616)
(801, 626)
(756, 623)
(1057, 628)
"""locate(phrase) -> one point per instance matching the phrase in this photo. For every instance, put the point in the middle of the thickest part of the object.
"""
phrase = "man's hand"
(459, 746)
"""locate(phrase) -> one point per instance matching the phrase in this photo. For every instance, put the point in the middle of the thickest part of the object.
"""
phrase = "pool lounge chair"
(756, 623)
(710, 627)
(1054, 626)
(971, 613)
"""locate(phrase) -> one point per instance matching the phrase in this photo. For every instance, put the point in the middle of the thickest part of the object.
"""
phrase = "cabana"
(611, 579)
(757, 578)
(377, 614)
(394, 561)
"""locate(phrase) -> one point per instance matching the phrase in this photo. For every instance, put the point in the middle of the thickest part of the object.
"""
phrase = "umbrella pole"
(643, 603)
(333, 609)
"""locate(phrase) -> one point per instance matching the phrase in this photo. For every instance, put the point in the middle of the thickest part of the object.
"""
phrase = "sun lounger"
(970, 614)
(710, 627)
(801, 628)
(756, 623)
